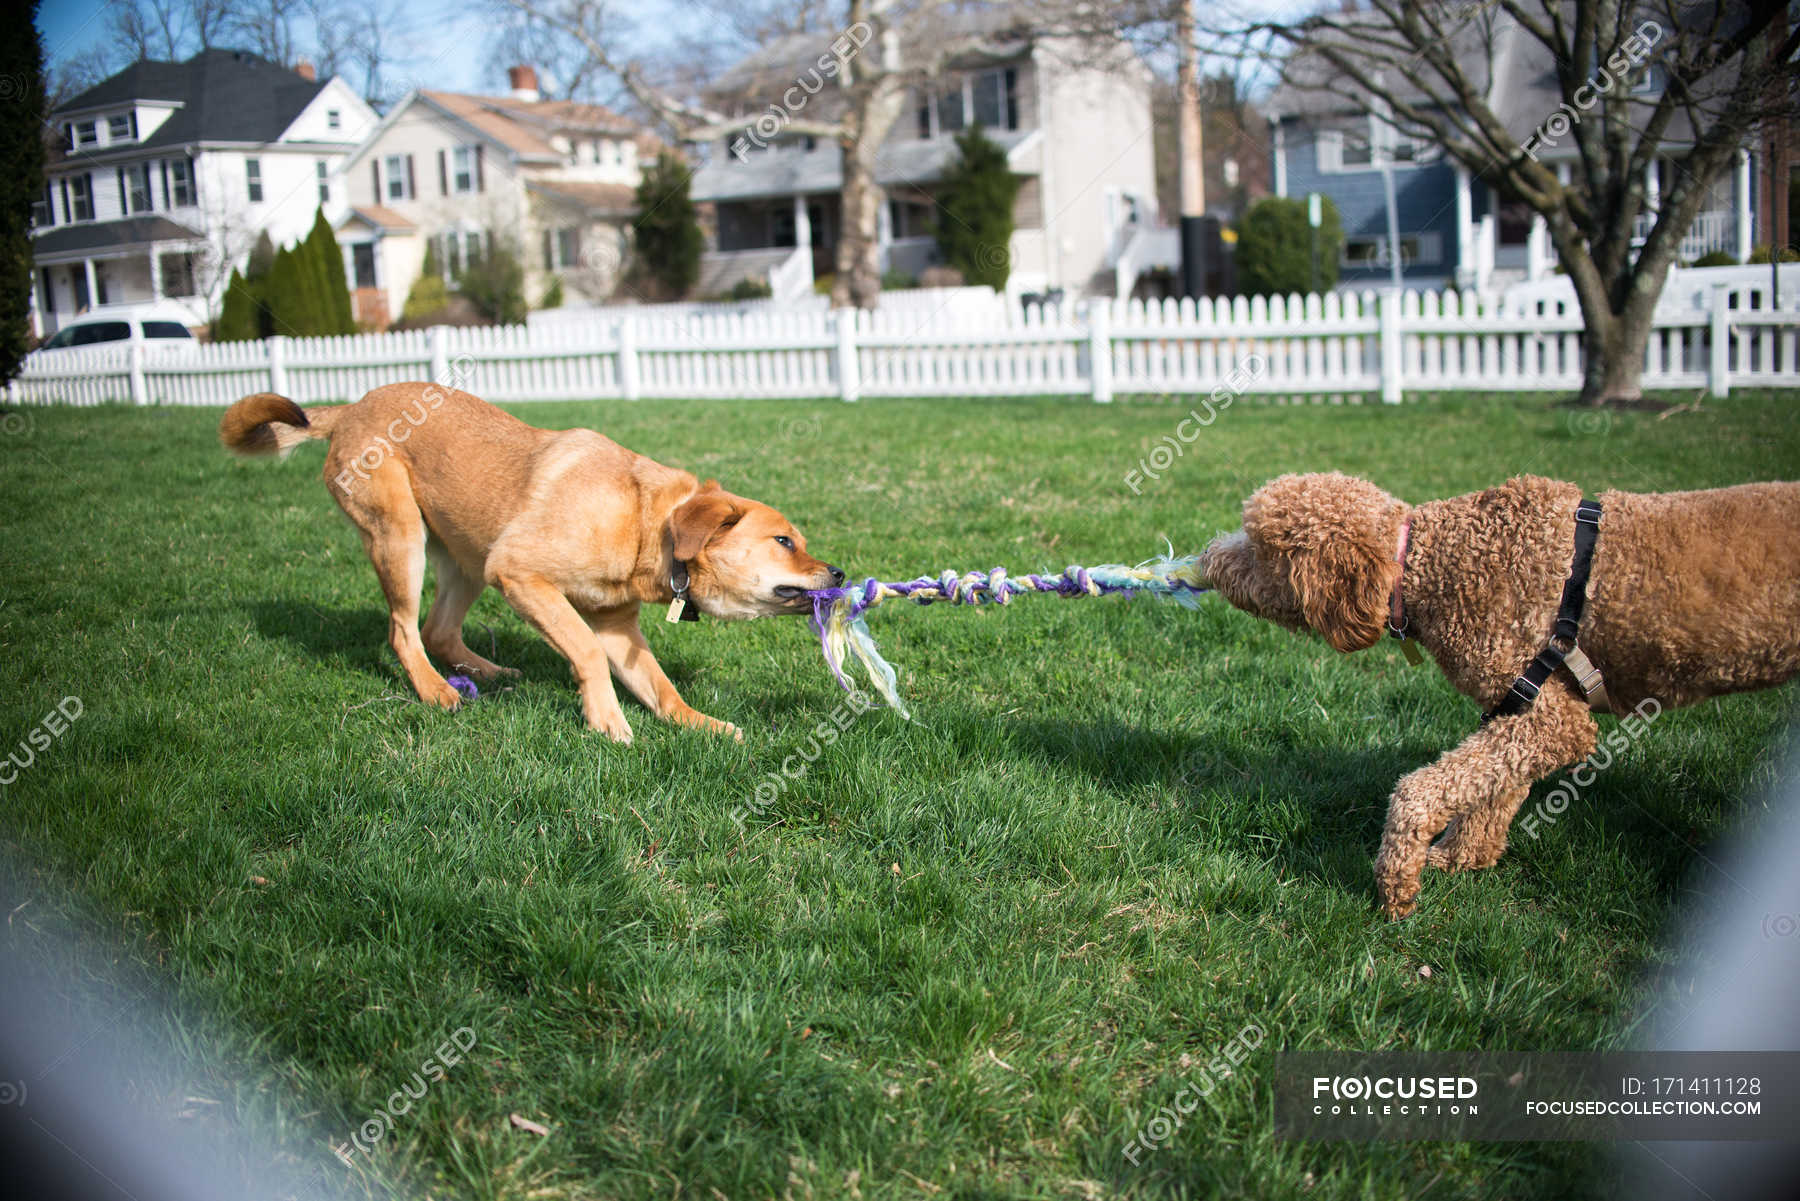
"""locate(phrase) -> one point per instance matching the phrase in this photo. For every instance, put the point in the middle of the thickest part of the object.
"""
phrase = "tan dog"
(1692, 595)
(574, 530)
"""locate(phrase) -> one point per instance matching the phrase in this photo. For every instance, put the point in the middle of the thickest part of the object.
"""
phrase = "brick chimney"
(524, 82)
(304, 69)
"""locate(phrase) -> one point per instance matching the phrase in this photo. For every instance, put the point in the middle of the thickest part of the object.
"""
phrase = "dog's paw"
(614, 726)
(442, 695)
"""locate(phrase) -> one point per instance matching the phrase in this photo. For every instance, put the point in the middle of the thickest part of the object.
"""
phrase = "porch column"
(156, 279)
(1465, 215)
(884, 232)
(1487, 238)
(1652, 187)
(1743, 206)
(802, 224)
(93, 292)
(1537, 245)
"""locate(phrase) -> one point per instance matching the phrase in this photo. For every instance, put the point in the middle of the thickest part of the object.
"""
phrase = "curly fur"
(1692, 595)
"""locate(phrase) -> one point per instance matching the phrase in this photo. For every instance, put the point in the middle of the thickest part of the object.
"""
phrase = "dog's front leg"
(626, 649)
(1481, 782)
(541, 603)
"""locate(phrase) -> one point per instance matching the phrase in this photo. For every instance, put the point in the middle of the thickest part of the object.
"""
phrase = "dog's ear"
(1343, 587)
(1334, 534)
(697, 520)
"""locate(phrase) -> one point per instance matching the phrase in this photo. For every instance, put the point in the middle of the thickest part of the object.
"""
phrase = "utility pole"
(1193, 178)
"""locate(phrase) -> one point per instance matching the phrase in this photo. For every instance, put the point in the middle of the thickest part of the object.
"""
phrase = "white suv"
(97, 329)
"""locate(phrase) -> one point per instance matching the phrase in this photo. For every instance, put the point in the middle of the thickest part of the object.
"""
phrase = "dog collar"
(1396, 605)
(680, 608)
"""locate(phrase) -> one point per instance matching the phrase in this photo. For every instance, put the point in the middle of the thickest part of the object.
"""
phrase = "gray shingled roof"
(104, 235)
(1513, 69)
(786, 172)
(226, 96)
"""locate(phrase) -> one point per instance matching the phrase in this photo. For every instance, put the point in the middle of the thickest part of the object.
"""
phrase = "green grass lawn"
(970, 956)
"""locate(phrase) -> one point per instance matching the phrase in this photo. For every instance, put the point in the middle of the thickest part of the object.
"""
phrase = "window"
(1415, 250)
(80, 200)
(462, 176)
(181, 183)
(995, 95)
(43, 209)
(178, 280)
(118, 129)
(253, 178)
(565, 248)
(910, 218)
(323, 174)
(134, 182)
(472, 245)
(398, 177)
(86, 134)
(950, 111)
(334, 119)
(166, 329)
(100, 331)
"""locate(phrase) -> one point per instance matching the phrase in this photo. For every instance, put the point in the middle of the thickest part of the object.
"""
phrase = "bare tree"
(148, 29)
(1628, 84)
(265, 27)
(868, 57)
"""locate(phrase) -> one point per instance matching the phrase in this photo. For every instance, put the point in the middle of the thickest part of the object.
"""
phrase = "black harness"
(1562, 651)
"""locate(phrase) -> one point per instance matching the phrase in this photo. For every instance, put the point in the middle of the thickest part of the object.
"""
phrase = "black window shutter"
(150, 190)
(480, 184)
(375, 174)
(412, 184)
(124, 209)
(443, 175)
(68, 213)
(164, 164)
(549, 251)
(193, 182)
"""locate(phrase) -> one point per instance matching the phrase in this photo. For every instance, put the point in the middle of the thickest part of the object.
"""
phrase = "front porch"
(1509, 244)
(83, 268)
(751, 232)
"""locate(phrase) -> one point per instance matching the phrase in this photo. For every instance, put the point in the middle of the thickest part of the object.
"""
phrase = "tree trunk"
(1613, 354)
(858, 283)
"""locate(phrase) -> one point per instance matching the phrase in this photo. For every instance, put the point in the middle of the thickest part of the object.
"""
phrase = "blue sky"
(451, 53)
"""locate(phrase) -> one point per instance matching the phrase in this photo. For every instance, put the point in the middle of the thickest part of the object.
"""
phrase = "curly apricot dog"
(1691, 595)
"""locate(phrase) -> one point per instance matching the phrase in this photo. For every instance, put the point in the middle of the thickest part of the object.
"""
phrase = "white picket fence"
(1332, 347)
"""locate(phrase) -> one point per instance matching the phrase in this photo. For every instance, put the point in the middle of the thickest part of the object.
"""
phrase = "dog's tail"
(268, 423)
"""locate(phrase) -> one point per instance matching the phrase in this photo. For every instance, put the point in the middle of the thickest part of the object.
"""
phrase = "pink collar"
(1396, 607)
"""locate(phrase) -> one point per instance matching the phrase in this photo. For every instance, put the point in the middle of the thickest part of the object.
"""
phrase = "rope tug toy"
(839, 613)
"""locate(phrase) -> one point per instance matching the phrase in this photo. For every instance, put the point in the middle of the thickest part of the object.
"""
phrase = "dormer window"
(122, 128)
(86, 134)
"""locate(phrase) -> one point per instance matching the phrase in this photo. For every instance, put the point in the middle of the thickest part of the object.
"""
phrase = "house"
(449, 173)
(1454, 230)
(164, 175)
(1074, 121)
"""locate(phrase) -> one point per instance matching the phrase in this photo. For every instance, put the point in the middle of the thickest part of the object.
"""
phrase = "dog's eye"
(784, 540)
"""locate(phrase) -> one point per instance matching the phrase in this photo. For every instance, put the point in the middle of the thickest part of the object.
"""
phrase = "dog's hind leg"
(1493, 764)
(1477, 839)
(456, 591)
(393, 532)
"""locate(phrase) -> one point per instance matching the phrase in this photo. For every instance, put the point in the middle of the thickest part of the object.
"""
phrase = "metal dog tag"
(675, 608)
(1410, 649)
